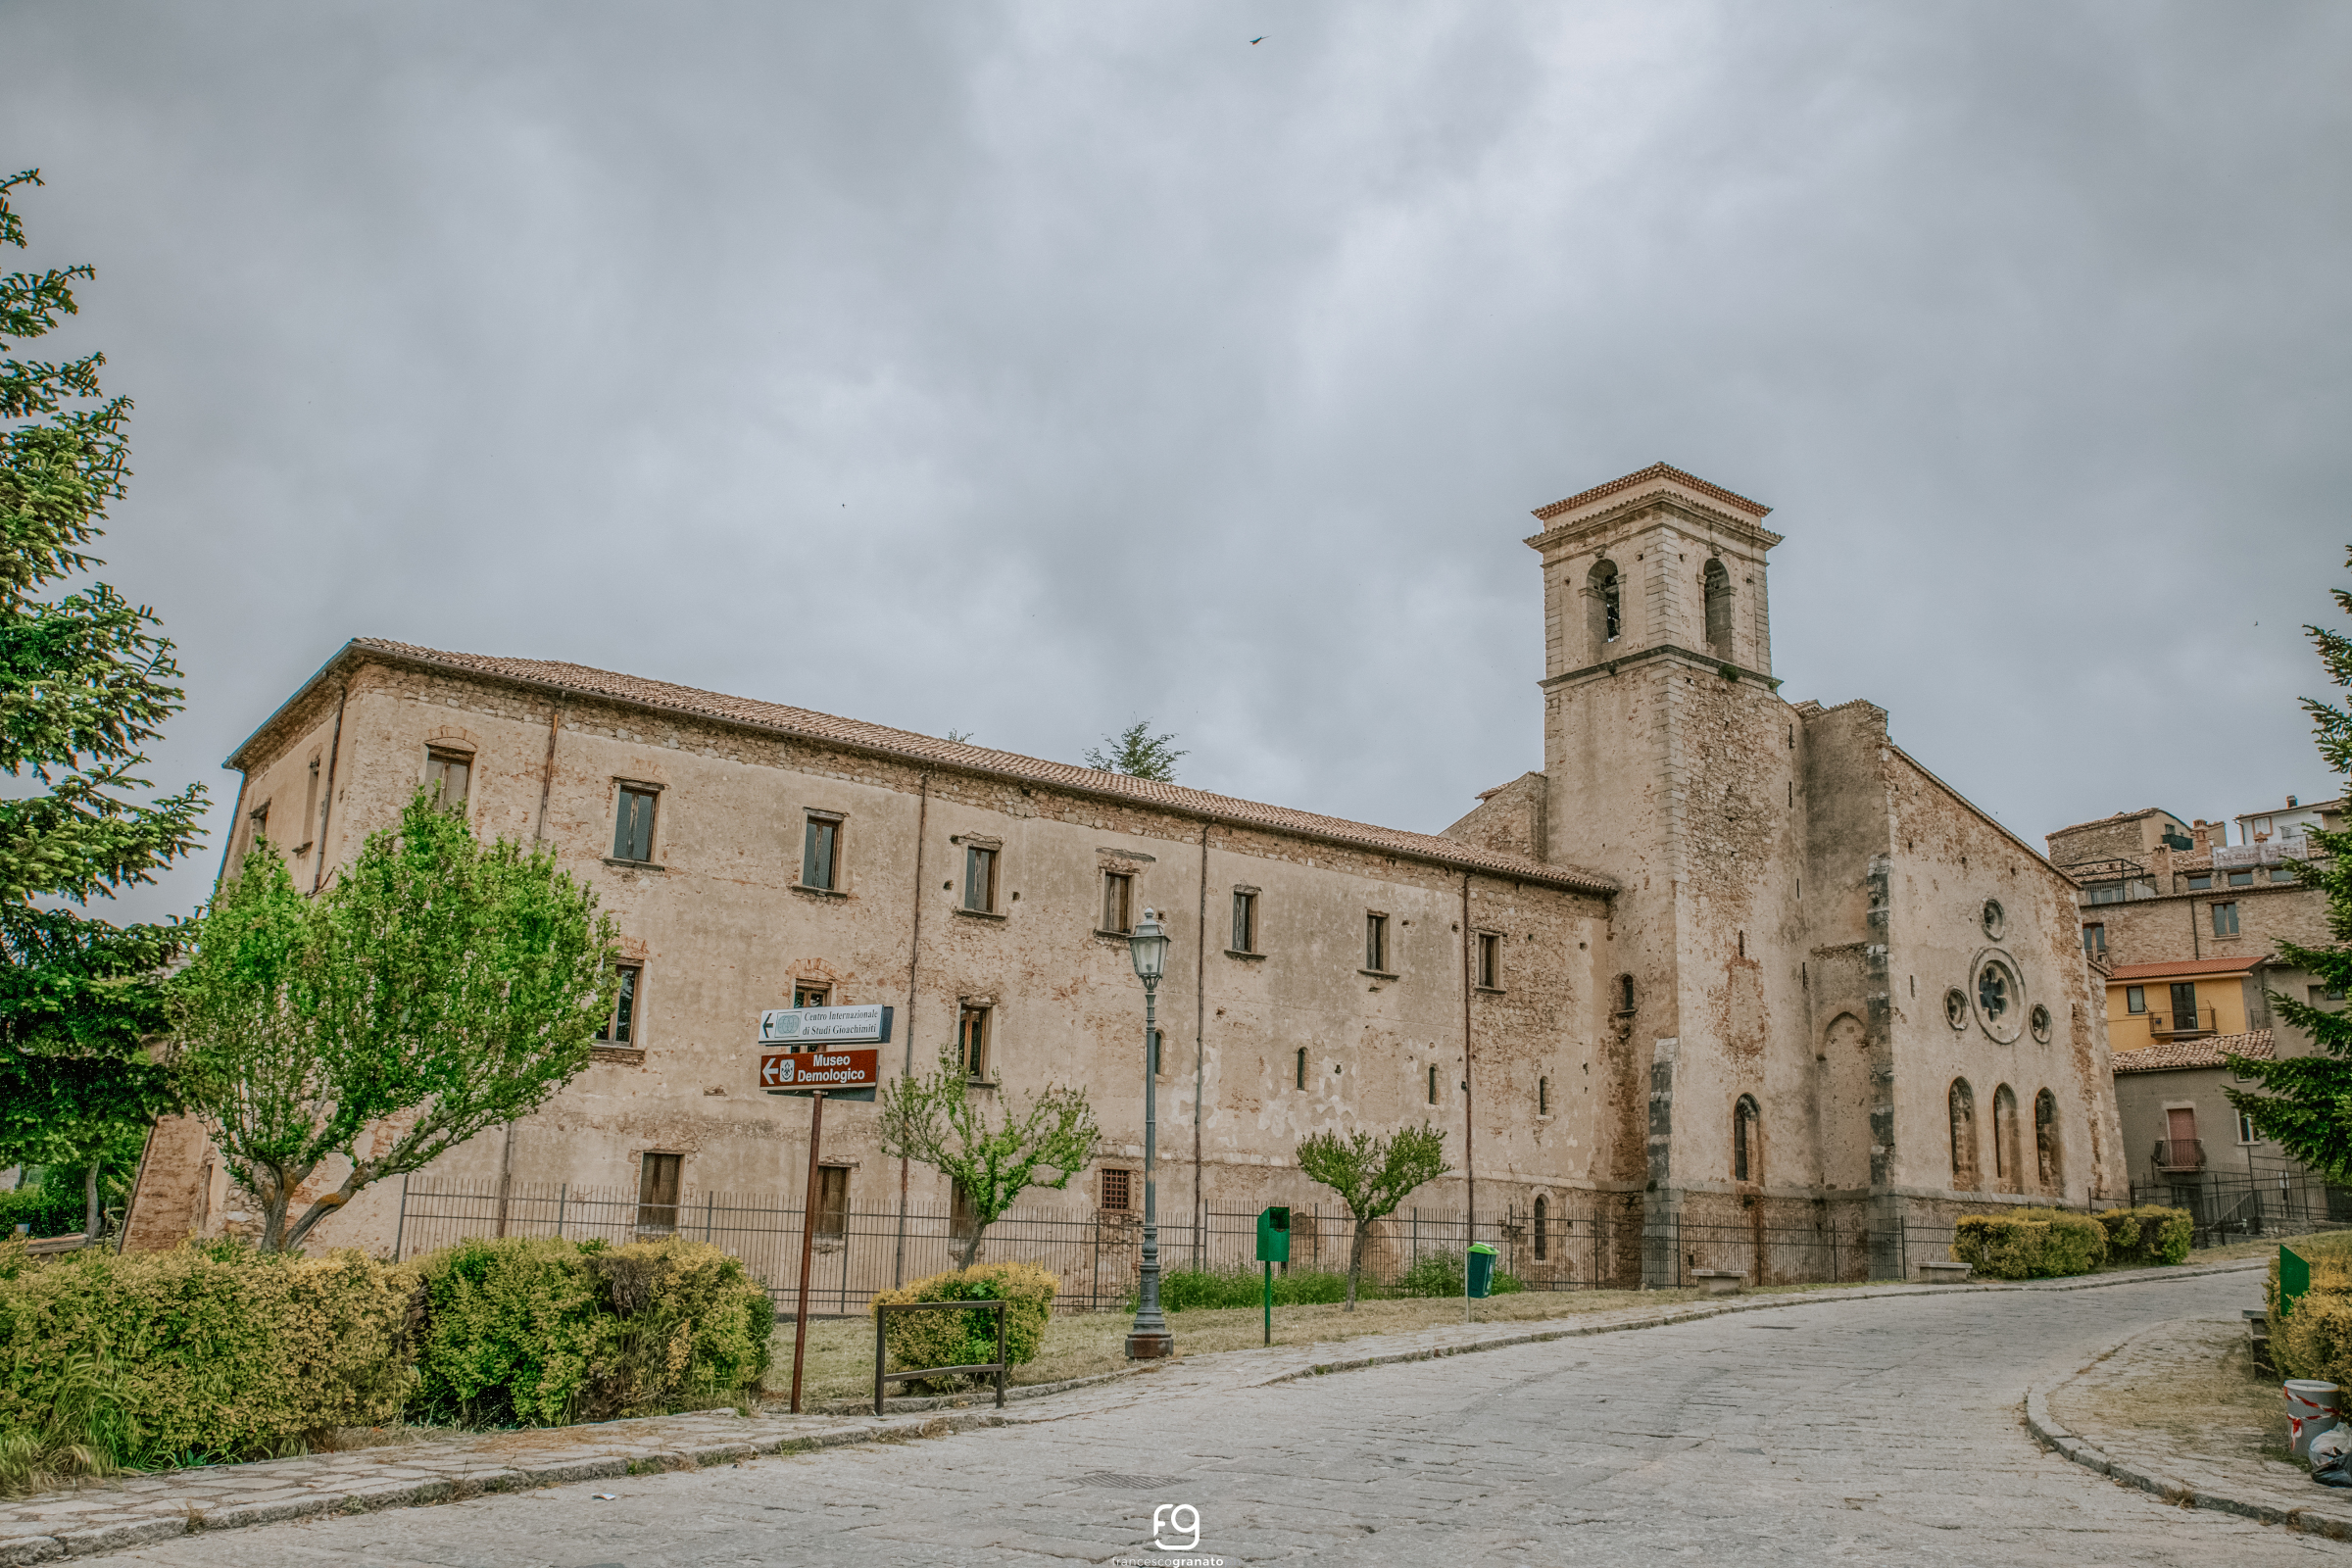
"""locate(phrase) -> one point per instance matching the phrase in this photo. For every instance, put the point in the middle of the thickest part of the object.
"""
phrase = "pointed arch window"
(1604, 607)
(1543, 1227)
(1747, 1149)
(1964, 1135)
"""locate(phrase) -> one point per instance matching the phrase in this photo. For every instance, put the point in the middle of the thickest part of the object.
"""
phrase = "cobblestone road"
(1883, 1431)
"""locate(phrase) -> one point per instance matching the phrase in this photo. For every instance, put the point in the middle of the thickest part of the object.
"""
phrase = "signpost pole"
(1269, 1304)
(799, 1327)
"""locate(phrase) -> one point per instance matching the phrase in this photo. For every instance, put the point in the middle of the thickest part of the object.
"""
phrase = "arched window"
(2007, 1172)
(1964, 1135)
(1543, 1227)
(1604, 607)
(1433, 1083)
(1747, 1148)
(2045, 1141)
(1621, 995)
(1719, 608)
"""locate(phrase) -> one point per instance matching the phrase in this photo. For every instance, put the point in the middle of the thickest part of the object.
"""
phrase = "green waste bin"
(1482, 1268)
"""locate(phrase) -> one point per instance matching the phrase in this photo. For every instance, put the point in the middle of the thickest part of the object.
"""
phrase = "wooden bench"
(1943, 1273)
(1719, 1280)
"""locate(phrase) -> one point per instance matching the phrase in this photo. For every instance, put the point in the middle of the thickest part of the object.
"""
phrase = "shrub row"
(43, 1211)
(2036, 1243)
(215, 1351)
(2315, 1339)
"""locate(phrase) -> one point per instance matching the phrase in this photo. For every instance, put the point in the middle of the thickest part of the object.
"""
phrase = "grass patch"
(2312, 1243)
(841, 1352)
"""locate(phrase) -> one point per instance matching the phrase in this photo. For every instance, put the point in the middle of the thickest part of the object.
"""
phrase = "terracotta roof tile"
(910, 747)
(2206, 1053)
(1656, 471)
(2157, 971)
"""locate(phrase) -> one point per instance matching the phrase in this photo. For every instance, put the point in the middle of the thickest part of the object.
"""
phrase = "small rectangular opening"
(446, 776)
(971, 1041)
(657, 1192)
(1118, 902)
(1244, 922)
(620, 1024)
(832, 1200)
(633, 825)
(1376, 943)
(820, 852)
(1118, 1189)
(979, 880)
(1489, 960)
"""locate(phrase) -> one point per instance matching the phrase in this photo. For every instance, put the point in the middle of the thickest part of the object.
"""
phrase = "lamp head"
(1147, 946)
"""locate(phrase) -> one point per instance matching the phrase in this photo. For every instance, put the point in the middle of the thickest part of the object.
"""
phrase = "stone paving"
(1849, 1424)
(2216, 1463)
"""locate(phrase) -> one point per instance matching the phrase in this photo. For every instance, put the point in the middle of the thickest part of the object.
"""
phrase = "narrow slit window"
(309, 801)
(1244, 922)
(979, 880)
(1543, 1227)
(620, 1024)
(1158, 1036)
(972, 1041)
(1489, 960)
(820, 853)
(1118, 902)
(657, 1192)
(1719, 610)
(1433, 1083)
(1376, 944)
(1542, 1096)
(1745, 1160)
(1303, 1066)
(633, 825)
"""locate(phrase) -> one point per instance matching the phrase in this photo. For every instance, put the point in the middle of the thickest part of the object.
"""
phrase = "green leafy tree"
(436, 988)
(80, 1003)
(1139, 753)
(1372, 1176)
(933, 1119)
(2304, 1103)
(85, 681)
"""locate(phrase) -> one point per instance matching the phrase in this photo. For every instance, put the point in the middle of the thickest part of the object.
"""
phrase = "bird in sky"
(1260, 38)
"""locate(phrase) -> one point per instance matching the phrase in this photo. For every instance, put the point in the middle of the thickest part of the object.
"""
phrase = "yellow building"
(2185, 999)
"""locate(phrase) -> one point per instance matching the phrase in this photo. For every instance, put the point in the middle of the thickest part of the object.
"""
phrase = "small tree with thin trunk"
(437, 989)
(1139, 753)
(933, 1119)
(1372, 1176)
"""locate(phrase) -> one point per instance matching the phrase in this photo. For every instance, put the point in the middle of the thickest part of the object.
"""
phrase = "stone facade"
(1691, 977)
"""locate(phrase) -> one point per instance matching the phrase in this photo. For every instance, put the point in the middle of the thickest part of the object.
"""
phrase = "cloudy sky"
(1026, 370)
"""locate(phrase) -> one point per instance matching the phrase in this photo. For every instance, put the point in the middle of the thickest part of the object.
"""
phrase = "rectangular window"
(1118, 1189)
(622, 1027)
(657, 1193)
(979, 880)
(2225, 919)
(820, 852)
(1244, 922)
(972, 1041)
(1489, 960)
(2199, 881)
(2325, 993)
(633, 825)
(832, 1200)
(258, 824)
(811, 994)
(2094, 940)
(447, 774)
(1118, 902)
(1376, 944)
(2245, 1128)
(2242, 879)
(2109, 893)
(2282, 873)
(2136, 999)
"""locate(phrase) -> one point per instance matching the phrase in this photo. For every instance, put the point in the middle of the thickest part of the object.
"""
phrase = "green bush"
(2149, 1234)
(48, 1210)
(2315, 1339)
(969, 1339)
(203, 1352)
(1189, 1290)
(540, 1332)
(1440, 1274)
(2032, 1243)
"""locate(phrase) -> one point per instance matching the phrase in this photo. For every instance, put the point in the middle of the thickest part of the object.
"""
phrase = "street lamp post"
(1150, 1338)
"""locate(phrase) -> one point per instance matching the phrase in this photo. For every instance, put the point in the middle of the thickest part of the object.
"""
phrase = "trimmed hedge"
(2315, 1340)
(2148, 1234)
(1440, 1274)
(533, 1332)
(1187, 1290)
(969, 1339)
(205, 1353)
(2032, 1244)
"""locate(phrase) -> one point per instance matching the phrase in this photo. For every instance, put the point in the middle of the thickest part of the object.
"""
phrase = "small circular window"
(2039, 1021)
(1955, 1007)
(1996, 919)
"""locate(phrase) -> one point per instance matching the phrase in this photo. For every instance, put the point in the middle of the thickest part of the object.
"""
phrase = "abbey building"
(1728, 973)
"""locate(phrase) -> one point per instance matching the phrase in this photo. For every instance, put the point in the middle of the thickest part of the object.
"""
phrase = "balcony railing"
(2182, 1025)
(2174, 1155)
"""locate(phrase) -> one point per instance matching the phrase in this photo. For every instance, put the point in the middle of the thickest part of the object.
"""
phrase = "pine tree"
(85, 681)
(2304, 1103)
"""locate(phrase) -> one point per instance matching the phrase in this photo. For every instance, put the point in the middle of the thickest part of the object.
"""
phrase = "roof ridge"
(1656, 471)
(832, 729)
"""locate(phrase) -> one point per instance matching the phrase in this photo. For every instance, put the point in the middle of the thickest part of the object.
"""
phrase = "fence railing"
(2238, 1205)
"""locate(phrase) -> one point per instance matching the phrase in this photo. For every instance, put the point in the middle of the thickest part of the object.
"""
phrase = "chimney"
(2200, 836)
(2290, 799)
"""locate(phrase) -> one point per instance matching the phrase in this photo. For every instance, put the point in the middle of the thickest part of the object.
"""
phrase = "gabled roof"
(2120, 816)
(2179, 1055)
(801, 723)
(2188, 967)
(1656, 471)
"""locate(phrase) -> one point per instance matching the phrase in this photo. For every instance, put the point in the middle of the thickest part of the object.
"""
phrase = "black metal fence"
(2274, 1198)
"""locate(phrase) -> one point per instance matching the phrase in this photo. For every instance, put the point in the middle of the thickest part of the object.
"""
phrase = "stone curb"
(2058, 1439)
(1752, 1303)
(960, 1402)
(27, 1547)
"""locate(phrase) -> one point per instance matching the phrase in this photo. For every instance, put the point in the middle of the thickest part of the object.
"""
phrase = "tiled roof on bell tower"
(1658, 475)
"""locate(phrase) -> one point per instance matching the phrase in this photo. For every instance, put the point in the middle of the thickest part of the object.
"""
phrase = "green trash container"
(1482, 1268)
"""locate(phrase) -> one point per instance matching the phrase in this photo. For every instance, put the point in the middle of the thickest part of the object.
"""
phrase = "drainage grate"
(1121, 1483)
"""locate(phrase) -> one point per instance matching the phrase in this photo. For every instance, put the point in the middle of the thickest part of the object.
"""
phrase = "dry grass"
(841, 1352)
(2268, 1247)
(2193, 1386)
